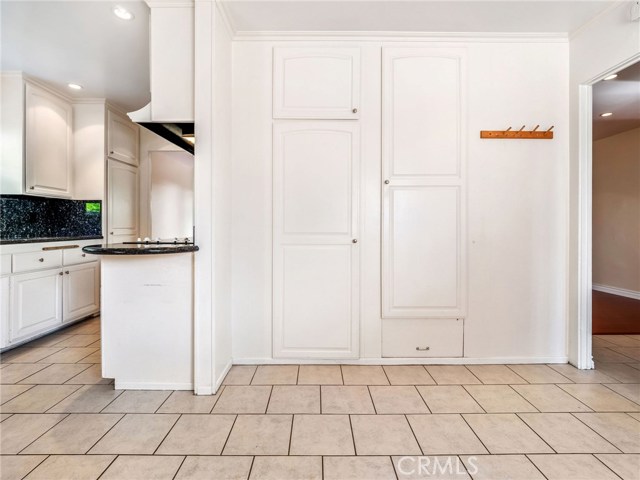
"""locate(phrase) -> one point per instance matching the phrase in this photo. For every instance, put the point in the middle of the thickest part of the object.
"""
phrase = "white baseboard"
(152, 386)
(623, 292)
(403, 361)
(220, 379)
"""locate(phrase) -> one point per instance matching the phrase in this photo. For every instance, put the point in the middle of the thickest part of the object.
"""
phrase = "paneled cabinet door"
(81, 291)
(48, 143)
(36, 303)
(122, 138)
(316, 254)
(316, 82)
(122, 201)
(423, 244)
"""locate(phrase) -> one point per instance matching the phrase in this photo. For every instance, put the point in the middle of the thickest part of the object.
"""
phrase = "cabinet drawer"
(422, 338)
(25, 262)
(73, 256)
(5, 265)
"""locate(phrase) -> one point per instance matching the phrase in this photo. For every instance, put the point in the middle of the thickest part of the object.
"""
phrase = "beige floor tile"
(32, 355)
(320, 375)
(446, 434)
(496, 374)
(7, 392)
(19, 431)
(321, 435)
(15, 372)
(287, 468)
(539, 374)
(90, 376)
(623, 432)
(137, 401)
(38, 399)
(182, 401)
(197, 435)
(55, 374)
(383, 435)
(499, 399)
(136, 434)
(502, 467)
(506, 433)
(259, 435)
(133, 467)
(346, 399)
(601, 342)
(600, 398)
(449, 399)
(572, 467)
(87, 399)
(452, 375)
(15, 467)
(608, 355)
(397, 399)
(619, 340)
(620, 372)
(240, 375)
(628, 390)
(75, 435)
(294, 399)
(358, 468)
(78, 341)
(71, 467)
(550, 398)
(364, 375)
(566, 434)
(50, 340)
(70, 355)
(631, 352)
(408, 375)
(626, 466)
(243, 399)
(215, 468)
(448, 467)
(276, 375)
(582, 376)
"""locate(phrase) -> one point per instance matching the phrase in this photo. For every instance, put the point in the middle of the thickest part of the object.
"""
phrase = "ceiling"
(621, 96)
(80, 42)
(510, 16)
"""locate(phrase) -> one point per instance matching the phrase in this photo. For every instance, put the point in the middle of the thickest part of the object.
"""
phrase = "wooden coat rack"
(522, 133)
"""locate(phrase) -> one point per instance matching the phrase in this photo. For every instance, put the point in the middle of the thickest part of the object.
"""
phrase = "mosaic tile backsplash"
(24, 217)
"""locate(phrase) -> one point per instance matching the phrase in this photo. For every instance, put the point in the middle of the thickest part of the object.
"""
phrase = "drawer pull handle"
(61, 273)
(84, 254)
(67, 272)
(422, 349)
(41, 259)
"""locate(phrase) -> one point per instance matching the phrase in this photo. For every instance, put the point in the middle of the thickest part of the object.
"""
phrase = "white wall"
(608, 41)
(616, 211)
(171, 196)
(517, 232)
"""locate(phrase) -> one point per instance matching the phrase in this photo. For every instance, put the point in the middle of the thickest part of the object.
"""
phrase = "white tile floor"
(61, 420)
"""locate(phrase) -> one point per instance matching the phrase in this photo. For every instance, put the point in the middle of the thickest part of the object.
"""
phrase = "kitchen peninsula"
(147, 314)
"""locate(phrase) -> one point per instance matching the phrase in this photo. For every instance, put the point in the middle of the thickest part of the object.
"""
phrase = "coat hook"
(550, 128)
(508, 129)
(522, 128)
(537, 126)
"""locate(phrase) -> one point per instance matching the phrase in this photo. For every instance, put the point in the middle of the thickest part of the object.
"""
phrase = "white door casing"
(315, 250)
(424, 204)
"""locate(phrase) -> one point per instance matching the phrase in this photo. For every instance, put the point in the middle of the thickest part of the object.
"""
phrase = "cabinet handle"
(111, 152)
(60, 274)
(41, 260)
(110, 233)
(355, 110)
(32, 188)
(84, 254)
(355, 240)
(422, 349)
(386, 182)
(67, 272)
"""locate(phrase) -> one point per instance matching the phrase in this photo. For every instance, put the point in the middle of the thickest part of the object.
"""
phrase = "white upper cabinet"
(122, 202)
(316, 82)
(48, 143)
(122, 138)
(424, 203)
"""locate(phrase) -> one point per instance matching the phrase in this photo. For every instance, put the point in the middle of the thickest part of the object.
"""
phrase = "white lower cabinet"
(5, 300)
(36, 303)
(80, 291)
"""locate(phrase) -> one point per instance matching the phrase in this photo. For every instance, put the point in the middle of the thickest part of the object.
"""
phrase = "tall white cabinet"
(423, 231)
(316, 177)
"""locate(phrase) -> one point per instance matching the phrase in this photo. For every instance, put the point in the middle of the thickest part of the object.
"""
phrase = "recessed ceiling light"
(122, 13)
(611, 77)
(74, 86)
(606, 114)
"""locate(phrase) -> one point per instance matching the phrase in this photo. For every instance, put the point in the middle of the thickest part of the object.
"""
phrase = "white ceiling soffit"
(80, 42)
(620, 96)
(505, 16)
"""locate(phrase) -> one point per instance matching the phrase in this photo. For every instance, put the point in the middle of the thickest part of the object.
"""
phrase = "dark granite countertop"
(17, 241)
(139, 249)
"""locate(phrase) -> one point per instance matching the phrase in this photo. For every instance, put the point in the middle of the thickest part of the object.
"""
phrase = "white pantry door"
(315, 250)
(423, 245)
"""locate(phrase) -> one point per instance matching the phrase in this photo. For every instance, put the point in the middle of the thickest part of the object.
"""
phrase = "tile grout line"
(473, 398)
(21, 393)
(375, 410)
(537, 410)
(43, 433)
(39, 463)
(605, 465)
(605, 385)
(353, 437)
(527, 455)
(422, 398)
(537, 434)
(226, 440)
(108, 466)
(415, 437)
(184, 458)
(168, 432)
(596, 432)
(164, 401)
(122, 415)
